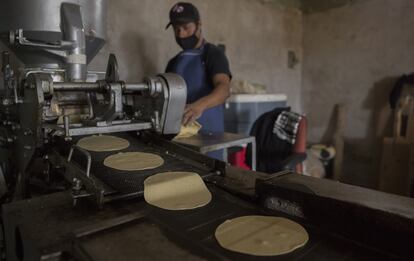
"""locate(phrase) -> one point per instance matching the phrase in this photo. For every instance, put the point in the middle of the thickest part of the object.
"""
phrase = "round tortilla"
(261, 235)
(131, 161)
(103, 143)
(176, 191)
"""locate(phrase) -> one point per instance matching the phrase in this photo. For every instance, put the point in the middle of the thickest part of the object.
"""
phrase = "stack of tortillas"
(189, 130)
(261, 235)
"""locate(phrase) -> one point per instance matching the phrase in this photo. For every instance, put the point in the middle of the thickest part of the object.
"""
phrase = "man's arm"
(218, 96)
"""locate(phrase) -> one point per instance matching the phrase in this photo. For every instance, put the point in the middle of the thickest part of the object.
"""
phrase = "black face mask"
(187, 43)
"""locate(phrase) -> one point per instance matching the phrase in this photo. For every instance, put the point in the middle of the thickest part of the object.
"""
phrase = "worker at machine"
(205, 69)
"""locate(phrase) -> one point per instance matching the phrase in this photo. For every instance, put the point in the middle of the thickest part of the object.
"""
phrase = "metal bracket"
(22, 40)
(112, 108)
(112, 75)
(84, 152)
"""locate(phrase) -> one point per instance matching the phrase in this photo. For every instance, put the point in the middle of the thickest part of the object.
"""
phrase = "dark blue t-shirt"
(215, 62)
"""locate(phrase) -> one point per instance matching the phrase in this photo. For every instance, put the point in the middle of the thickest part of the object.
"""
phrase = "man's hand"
(192, 112)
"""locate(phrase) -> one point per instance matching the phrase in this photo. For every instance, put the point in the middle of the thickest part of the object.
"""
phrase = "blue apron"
(190, 65)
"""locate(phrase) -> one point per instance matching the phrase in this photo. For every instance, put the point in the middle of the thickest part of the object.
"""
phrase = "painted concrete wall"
(353, 55)
(311, 6)
(257, 36)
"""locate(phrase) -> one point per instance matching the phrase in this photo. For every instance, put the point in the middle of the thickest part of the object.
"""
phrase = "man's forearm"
(218, 96)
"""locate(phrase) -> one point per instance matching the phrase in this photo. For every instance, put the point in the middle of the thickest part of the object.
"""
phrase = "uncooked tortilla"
(131, 161)
(103, 143)
(261, 235)
(176, 191)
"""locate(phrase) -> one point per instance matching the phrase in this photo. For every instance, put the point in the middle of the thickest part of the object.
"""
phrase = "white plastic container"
(242, 110)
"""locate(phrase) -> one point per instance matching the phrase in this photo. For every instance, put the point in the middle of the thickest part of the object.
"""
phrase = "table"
(206, 142)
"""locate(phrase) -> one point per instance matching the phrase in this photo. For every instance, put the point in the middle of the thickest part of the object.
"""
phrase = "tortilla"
(261, 235)
(130, 161)
(189, 130)
(176, 191)
(103, 143)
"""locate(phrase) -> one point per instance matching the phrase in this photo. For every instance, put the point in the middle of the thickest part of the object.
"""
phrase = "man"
(205, 69)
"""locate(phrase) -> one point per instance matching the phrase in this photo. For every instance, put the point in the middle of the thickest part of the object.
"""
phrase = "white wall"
(257, 38)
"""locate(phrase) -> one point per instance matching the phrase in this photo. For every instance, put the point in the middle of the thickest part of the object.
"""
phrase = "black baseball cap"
(182, 13)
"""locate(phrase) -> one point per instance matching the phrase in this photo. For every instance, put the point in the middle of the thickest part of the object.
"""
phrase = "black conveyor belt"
(157, 234)
(54, 226)
(126, 182)
(189, 234)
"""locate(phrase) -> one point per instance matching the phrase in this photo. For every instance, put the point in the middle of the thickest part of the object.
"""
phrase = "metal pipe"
(73, 31)
(66, 122)
(86, 86)
(76, 86)
(6, 61)
(135, 87)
